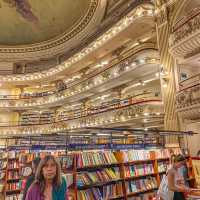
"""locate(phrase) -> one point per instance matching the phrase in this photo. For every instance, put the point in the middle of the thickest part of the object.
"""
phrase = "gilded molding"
(56, 41)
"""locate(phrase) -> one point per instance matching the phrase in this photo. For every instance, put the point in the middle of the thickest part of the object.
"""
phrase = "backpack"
(163, 192)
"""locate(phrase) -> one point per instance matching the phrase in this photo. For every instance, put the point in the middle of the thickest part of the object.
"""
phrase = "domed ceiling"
(39, 29)
(25, 22)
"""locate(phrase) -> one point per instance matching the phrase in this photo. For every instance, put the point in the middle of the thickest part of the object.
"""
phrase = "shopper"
(31, 178)
(175, 180)
(48, 184)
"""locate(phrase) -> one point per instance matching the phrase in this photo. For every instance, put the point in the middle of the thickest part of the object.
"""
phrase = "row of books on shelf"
(107, 157)
(139, 170)
(86, 159)
(116, 190)
(98, 176)
(13, 197)
(13, 164)
(13, 175)
(95, 158)
(13, 186)
(107, 192)
(139, 185)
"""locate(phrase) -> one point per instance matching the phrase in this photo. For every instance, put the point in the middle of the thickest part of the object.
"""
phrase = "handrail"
(190, 78)
(111, 109)
(192, 15)
(52, 92)
(181, 84)
(188, 88)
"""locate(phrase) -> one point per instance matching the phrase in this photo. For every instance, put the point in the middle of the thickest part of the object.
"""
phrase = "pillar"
(165, 14)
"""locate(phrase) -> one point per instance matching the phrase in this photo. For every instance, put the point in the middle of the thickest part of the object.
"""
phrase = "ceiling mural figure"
(23, 7)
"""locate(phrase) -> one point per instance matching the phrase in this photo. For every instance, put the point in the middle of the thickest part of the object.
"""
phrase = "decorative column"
(165, 14)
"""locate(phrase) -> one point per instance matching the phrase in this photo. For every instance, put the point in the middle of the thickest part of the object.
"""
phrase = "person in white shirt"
(176, 181)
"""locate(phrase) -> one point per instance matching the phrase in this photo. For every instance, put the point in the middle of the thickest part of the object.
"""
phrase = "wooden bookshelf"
(121, 163)
(12, 170)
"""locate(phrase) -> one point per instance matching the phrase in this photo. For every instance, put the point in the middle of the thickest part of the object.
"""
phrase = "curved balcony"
(117, 113)
(188, 99)
(185, 36)
(110, 77)
(139, 13)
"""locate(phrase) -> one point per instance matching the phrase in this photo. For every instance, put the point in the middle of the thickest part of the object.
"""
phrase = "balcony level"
(145, 113)
(185, 37)
(188, 98)
(116, 75)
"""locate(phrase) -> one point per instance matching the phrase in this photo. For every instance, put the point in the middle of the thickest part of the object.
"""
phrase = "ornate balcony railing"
(130, 111)
(187, 83)
(188, 102)
(185, 36)
(111, 73)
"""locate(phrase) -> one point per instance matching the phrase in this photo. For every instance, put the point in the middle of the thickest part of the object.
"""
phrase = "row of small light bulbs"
(116, 29)
(97, 81)
(121, 119)
(79, 76)
(47, 130)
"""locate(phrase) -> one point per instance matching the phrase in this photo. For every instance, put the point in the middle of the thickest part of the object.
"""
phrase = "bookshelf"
(116, 174)
(12, 181)
(3, 167)
(37, 117)
(96, 174)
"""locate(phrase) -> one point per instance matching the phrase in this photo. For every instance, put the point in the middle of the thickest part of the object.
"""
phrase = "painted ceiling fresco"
(25, 22)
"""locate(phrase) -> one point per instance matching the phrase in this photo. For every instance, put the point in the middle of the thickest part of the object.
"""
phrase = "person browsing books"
(175, 179)
(31, 178)
(48, 184)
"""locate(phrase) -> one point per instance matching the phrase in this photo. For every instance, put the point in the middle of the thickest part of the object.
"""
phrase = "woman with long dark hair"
(48, 184)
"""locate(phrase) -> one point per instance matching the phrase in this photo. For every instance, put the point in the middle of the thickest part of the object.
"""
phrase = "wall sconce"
(164, 82)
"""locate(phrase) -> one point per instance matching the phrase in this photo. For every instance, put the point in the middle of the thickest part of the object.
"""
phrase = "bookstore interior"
(110, 89)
